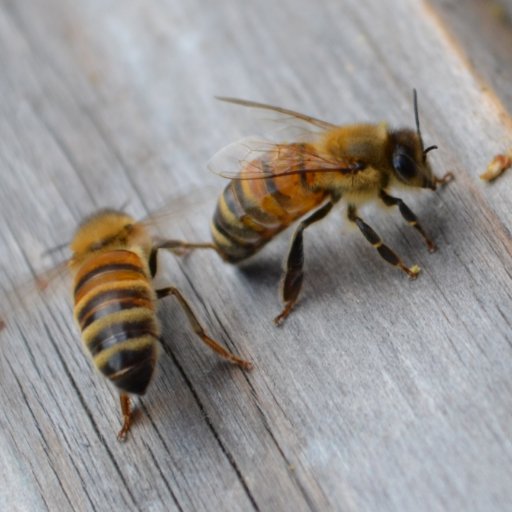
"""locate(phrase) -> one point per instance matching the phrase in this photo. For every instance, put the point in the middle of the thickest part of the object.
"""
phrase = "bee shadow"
(262, 272)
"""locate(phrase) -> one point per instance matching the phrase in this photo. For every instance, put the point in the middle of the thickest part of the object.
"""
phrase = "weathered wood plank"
(378, 393)
(482, 32)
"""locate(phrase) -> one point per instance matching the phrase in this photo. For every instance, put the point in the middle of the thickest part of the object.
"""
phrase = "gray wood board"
(379, 393)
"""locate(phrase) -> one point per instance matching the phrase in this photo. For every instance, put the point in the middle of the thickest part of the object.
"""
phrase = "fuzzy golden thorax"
(364, 144)
(387, 158)
(360, 142)
(107, 230)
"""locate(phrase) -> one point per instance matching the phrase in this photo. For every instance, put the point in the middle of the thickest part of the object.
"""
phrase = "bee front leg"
(382, 249)
(294, 275)
(409, 216)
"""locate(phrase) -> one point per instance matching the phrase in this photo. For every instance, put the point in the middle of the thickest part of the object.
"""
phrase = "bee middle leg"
(372, 237)
(198, 329)
(294, 274)
(409, 216)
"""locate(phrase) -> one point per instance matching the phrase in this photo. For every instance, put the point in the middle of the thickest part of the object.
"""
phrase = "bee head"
(100, 230)
(409, 160)
(409, 157)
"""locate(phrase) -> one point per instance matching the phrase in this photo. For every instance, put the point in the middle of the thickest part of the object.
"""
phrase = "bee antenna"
(417, 117)
(430, 148)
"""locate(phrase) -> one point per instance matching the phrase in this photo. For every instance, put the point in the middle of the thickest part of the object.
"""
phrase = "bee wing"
(256, 158)
(241, 154)
(181, 207)
(22, 294)
(49, 278)
(43, 281)
(289, 114)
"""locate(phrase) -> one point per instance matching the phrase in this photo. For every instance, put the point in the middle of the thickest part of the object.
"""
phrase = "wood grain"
(378, 394)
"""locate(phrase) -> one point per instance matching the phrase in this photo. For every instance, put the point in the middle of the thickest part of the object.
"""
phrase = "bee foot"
(279, 319)
(413, 272)
(445, 179)
(123, 433)
(245, 365)
(431, 246)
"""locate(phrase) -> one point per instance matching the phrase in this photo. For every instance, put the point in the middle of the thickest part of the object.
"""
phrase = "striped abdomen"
(250, 212)
(115, 309)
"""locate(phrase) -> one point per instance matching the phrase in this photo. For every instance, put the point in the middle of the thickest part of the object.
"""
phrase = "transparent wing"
(283, 113)
(47, 279)
(23, 293)
(256, 158)
(181, 207)
(20, 291)
(230, 160)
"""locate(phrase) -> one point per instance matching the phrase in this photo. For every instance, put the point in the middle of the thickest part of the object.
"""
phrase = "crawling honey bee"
(273, 185)
(113, 262)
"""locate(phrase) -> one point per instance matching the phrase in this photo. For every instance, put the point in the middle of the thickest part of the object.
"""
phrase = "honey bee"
(113, 262)
(273, 185)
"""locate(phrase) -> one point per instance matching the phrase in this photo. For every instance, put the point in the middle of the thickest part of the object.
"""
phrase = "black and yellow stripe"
(250, 212)
(115, 309)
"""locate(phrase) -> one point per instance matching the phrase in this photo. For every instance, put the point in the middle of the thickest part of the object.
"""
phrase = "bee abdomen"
(250, 212)
(240, 227)
(128, 361)
(114, 307)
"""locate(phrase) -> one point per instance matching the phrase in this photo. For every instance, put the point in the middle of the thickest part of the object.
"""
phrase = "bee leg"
(198, 329)
(409, 216)
(294, 275)
(443, 180)
(376, 241)
(126, 409)
(178, 247)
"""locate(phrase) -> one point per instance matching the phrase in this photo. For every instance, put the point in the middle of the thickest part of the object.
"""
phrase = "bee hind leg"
(126, 410)
(198, 329)
(372, 237)
(409, 217)
(294, 273)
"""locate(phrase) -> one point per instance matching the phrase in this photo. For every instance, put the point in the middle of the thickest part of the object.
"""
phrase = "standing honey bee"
(273, 185)
(113, 262)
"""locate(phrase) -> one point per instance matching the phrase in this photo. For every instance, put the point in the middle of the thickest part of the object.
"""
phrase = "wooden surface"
(378, 394)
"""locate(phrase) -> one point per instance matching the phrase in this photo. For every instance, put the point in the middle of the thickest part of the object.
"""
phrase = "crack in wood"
(89, 414)
(229, 456)
(155, 462)
(46, 447)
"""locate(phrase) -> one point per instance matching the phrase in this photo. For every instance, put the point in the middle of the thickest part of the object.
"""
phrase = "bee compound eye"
(404, 165)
